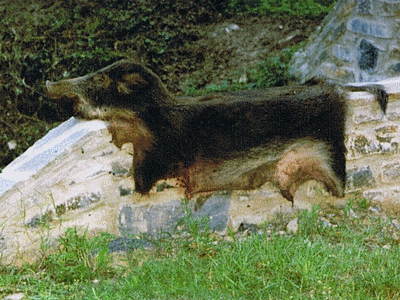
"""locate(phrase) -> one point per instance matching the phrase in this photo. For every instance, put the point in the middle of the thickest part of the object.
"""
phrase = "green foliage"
(309, 223)
(79, 258)
(273, 71)
(305, 9)
(269, 73)
(195, 227)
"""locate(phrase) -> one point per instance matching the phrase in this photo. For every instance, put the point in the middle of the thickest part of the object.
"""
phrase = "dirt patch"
(236, 45)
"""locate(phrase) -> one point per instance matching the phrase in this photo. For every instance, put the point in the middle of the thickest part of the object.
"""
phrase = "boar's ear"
(131, 81)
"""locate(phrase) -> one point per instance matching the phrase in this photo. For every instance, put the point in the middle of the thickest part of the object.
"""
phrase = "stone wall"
(357, 42)
(373, 158)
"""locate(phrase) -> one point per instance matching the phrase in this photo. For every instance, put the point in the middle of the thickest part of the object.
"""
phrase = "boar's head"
(123, 85)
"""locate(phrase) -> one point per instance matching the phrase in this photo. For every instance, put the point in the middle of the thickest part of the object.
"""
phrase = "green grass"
(304, 9)
(355, 257)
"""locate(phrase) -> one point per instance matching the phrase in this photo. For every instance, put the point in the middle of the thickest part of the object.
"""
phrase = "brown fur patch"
(126, 127)
(123, 88)
(287, 165)
(102, 81)
(304, 161)
(134, 78)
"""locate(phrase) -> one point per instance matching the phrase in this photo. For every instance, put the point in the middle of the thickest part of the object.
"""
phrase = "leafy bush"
(273, 71)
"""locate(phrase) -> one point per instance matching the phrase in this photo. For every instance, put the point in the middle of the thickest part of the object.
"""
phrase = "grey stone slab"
(364, 7)
(55, 142)
(391, 171)
(368, 56)
(157, 219)
(217, 209)
(388, 8)
(344, 53)
(369, 28)
(359, 178)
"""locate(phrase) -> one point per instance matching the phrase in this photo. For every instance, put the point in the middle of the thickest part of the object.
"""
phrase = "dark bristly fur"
(286, 135)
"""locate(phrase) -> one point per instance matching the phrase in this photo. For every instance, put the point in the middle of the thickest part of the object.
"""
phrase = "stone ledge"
(54, 143)
(390, 194)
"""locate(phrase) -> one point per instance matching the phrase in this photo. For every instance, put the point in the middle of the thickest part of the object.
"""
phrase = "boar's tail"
(377, 90)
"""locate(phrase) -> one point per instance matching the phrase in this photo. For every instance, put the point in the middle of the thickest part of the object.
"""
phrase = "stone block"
(338, 31)
(326, 30)
(136, 219)
(368, 56)
(364, 7)
(362, 117)
(393, 114)
(359, 178)
(361, 144)
(344, 54)
(395, 67)
(321, 58)
(386, 133)
(216, 209)
(346, 74)
(391, 194)
(157, 219)
(391, 171)
(388, 8)
(368, 28)
(330, 70)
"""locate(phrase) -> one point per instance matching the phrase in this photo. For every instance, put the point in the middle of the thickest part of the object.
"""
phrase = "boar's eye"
(134, 78)
(130, 82)
(102, 81)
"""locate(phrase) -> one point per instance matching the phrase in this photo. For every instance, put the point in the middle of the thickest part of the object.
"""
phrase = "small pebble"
(15, 296)
(375, 209)
(293, 226)
(396, 223)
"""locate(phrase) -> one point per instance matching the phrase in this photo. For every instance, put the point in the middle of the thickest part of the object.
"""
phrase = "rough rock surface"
(357, 42)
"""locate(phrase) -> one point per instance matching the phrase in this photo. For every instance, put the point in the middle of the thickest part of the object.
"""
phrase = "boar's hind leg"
(306, 160)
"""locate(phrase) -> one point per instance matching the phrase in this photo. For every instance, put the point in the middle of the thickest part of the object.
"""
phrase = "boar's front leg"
(149, 167)
(126, 127)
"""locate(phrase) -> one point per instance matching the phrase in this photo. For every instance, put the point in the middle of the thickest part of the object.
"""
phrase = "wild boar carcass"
(286, 135)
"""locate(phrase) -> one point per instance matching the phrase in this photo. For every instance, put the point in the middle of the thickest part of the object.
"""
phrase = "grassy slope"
(358, 258)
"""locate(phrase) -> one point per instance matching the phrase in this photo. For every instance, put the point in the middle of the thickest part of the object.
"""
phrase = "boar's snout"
(61, 88)
(50, 87)
(54, 90)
